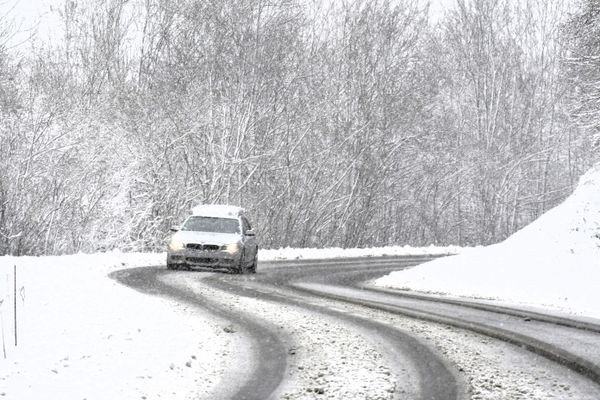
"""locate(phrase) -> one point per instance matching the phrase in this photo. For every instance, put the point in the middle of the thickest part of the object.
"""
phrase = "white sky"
(29, 17)
(35, 16)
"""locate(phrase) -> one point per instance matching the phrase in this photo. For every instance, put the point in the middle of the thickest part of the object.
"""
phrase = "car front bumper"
(209, 259)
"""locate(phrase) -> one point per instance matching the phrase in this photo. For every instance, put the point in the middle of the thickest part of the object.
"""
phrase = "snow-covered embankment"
(552, 263)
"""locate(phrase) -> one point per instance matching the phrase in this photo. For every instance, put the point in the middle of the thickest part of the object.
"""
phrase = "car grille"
(208, 261)
(203, 247)
(200, 260)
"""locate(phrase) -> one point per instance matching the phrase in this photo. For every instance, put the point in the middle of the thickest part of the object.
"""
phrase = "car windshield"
(211, 224)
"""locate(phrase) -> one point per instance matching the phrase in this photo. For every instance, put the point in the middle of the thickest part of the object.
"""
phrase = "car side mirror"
(250, 232)
(174, 228)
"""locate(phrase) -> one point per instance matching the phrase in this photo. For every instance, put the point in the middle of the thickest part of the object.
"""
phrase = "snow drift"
(553, 262)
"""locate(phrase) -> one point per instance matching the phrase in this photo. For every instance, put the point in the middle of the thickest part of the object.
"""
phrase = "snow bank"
(554, 262)
(311, 254)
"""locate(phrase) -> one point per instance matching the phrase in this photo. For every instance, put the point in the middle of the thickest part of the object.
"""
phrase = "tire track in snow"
(267, 369)
(435, 379)
(567, 342)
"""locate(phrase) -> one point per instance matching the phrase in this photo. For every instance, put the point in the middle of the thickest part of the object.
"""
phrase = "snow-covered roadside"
(312, 254)
(553, 263)
(83, 336)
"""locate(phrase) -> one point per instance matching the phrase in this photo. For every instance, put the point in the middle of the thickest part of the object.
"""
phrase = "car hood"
(206, 237)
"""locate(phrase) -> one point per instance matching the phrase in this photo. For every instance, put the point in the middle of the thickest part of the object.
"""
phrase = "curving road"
(318, 331)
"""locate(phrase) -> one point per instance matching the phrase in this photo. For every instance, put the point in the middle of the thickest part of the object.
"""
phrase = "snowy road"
(313, 332)
(261, 368)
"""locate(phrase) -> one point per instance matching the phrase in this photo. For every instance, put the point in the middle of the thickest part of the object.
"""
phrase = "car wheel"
(171, 266)
(252, 268)
(240, 269)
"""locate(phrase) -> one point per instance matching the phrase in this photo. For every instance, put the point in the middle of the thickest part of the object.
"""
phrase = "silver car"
(214, 236)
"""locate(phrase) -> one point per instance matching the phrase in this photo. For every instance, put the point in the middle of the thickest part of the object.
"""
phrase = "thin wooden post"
(15, 302)
(2, 322)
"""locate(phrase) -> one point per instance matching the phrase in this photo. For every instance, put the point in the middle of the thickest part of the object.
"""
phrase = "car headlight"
(232, 248)
(176, 245)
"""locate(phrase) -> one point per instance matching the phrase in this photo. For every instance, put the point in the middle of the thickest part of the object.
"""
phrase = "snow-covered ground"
(80, 335)
(311, 254)
(553, 263)
(83, 336)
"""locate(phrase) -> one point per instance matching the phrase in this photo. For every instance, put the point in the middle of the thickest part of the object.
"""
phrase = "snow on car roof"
(217, 210)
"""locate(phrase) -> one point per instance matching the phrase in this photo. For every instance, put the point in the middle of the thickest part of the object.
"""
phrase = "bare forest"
(334, 123)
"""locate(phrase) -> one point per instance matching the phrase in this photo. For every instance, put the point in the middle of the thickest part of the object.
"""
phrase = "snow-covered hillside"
(554, 262)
